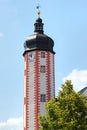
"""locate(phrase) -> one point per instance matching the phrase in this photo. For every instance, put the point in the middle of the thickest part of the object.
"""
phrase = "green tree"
(67, 112)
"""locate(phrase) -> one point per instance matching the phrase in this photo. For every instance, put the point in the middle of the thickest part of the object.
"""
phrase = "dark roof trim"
(38, 50)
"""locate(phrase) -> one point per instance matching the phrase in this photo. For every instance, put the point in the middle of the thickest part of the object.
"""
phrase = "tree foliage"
(67, 112)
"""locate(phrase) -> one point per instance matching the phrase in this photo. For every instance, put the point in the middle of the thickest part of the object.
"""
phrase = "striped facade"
(39, 86)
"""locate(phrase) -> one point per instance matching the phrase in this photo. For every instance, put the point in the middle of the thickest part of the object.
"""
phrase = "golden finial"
(38, 7)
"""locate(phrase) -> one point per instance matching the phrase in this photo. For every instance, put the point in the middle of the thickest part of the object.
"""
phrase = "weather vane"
(38, 8)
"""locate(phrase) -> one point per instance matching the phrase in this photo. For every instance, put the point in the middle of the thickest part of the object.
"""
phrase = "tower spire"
(38, 24)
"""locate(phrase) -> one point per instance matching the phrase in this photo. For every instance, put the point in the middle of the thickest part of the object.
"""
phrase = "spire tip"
(38, 12)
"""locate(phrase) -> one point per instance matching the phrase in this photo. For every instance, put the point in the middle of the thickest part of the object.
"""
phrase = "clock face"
(31, 56)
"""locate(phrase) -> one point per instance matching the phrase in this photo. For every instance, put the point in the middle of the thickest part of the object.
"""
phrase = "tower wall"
(39, 86)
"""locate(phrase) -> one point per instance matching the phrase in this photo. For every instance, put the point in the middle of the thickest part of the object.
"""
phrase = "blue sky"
(66, 22)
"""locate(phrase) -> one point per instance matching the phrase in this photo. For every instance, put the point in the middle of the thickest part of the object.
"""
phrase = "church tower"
(39, 76)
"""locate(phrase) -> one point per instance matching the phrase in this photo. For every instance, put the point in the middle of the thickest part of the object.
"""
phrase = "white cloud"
(12, 124)
(1, 35)
(78, 78)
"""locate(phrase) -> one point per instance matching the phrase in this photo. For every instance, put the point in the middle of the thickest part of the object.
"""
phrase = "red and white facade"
(39, 77)
(36, 84)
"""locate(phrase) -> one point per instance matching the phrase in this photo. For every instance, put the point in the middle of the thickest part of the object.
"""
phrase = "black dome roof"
(40, 42)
